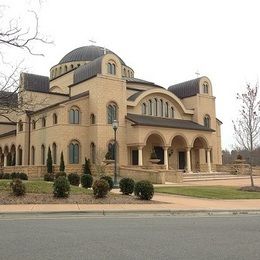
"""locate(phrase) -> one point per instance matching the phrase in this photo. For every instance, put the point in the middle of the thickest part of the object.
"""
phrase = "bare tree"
(246, 127)
(16, 37)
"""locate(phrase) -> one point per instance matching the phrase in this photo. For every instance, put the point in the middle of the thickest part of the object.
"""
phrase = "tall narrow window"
(205, 88)
(150, 107)
(172, 112)
(33, 125)
(33, 156)
(207, 121)
(111, 150)
(43, 122)
(109, 68)
(161, 107)
(55, 119)
(43, 154)
(54, 153)
(144, 109)
(113, 69)
(155, 107)
(92, 119)
(66, 68)
(166, 109)
(74, 116)
(111, 113)
(74, 153)
(20, 126)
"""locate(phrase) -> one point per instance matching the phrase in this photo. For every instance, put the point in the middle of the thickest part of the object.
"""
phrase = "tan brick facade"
(178, 148)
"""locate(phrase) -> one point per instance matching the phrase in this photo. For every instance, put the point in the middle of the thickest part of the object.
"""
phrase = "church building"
(90, 91)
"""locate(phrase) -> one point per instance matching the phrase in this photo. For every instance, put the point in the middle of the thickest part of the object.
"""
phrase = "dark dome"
(86, 53)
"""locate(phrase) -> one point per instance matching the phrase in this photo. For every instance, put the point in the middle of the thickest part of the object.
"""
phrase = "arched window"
(74, 152)
(155, 107)
(33, 155)
(60, 70)
(71, 66)
(207, 121)
(78, 64)
(43, 122)
(74, 116)
(172, 112)
(54, 153)
(166, 109)
(144, 109)
(43, 154)
(111, 68)
(92, 119)
(205, 88)
(124, 72)
(20, 126)
(161, 107)
(33, 125)
(111, 113)
(93, 153)
(55, 119)
(66, 68)
(150, 107)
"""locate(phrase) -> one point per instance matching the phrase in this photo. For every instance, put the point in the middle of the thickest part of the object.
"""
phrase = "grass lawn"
(210, 192)
(41, 187)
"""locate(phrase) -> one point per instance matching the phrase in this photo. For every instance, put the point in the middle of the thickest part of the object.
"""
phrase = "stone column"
(5, 159)
(188, 159)
(165, 149)
(208, 160)
(140, 155)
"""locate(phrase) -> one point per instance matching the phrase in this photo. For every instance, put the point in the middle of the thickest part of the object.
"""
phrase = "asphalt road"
(173, 237)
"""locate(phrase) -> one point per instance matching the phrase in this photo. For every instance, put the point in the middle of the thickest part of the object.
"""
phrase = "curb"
(166, 212)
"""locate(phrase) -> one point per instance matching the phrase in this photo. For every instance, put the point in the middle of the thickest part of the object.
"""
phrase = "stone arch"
(155, 133)
(200, 141)
(180, 135)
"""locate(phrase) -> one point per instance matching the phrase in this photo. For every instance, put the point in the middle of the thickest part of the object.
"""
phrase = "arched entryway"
(199, 152)
(154, 144)
(178, 153)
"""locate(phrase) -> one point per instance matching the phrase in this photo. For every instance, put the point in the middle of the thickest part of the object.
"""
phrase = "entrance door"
(182, 160)
(134, 157)
(160, 154)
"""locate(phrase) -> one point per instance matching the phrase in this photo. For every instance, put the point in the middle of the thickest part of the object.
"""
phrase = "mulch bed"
(35, 198)
(250, 188)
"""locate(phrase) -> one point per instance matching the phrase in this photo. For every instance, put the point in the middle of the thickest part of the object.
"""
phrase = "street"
(60, 236)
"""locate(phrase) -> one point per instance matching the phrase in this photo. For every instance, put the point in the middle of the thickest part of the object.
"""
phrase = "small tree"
(49, 161)
(62, 165)
(87, 169)
(247, 125)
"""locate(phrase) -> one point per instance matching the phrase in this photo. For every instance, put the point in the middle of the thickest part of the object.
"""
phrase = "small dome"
(86, 53)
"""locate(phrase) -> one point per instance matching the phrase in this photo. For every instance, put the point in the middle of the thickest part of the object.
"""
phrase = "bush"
(144, 190)
(61, 187)
(86, 169)
(126, 186)
(1, 175)
(86, 180)
(100, 188)
(17, 187)
(23, 176)
(60, 174)
(74, 179)
(49, 177)
(109, 181)
(14, 175)
(19, 175)
(6, 176)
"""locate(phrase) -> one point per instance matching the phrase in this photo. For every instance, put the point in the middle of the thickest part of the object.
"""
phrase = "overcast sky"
(166, 42)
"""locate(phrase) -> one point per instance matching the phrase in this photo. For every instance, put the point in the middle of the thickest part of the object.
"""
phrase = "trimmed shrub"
(23, 176)
(100, 188)
(49, 161)
(14, 175)
(60, 174)
(144, 190)
(48, 177)
(17, 187)
(86, 180)
(127, 186)
(74, 179)
(1, 175)
(6, 176)
(61, 187)
(109, 181)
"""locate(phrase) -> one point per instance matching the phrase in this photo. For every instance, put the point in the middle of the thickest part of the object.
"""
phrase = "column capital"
(140, 147)
(166, 147)
(188, 148)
